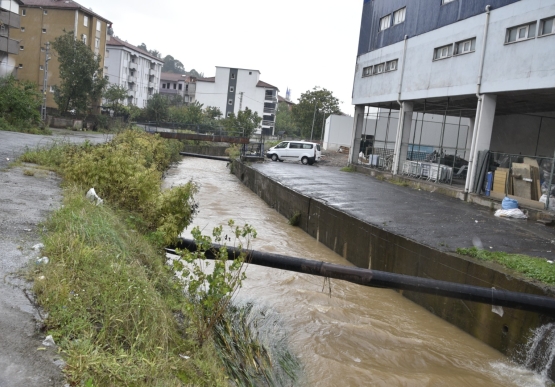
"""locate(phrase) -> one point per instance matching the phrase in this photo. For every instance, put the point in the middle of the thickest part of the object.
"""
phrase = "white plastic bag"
(512, 213)
(93, 197)
(543, 199)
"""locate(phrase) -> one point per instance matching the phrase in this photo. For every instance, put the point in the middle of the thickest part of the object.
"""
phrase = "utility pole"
(241, 101)
(313, 118)
(45, 83)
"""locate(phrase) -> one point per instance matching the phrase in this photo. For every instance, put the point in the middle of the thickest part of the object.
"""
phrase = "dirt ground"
(26, 198)
(334, 159)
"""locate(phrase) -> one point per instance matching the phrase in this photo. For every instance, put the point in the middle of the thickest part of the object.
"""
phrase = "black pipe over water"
(219, 158)
(381, 279)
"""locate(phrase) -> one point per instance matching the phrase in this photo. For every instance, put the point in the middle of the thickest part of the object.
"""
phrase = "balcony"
(9, 45)
(267, 123)
(269, 110)
(271, 98)
(10, 19)
(132, 79)
(133, 66)
(151, 85)
(131, 93)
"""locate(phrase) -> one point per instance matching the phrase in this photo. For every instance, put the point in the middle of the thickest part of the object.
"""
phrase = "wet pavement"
(432, 219)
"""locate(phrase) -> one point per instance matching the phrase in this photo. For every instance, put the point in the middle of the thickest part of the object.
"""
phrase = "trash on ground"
(512, 213)
(93, 197)
(49, 341)
(38, 246)
(43, 261)
(184, 356)
(497, 310)
(509, 204)
(543, 199)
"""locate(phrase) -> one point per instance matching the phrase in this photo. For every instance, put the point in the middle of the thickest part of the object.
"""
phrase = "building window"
(84, 38)
(231, 89)
(41, 67)
(51, 89)
(23, 12)
(44, 30)
(446, 1)
(379, 68)
(22, 29)
(98, 25)
(547, 26)
(522, 32)
(107, 53)
(385, 22)
(367, 71)
(86, 21)
(97, 43)
(20, 65)
(174, 86)
(21, 48)
(45, 12)
(465, 46)
(230, 102)
(163, 85)
(399, 16)
(180, 86)
(443, 52)
(391, 65)
(232, 75)
(42, 49)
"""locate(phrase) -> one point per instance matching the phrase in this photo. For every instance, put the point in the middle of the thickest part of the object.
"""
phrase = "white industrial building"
(233, 90)
(134, 69)
(489, 61)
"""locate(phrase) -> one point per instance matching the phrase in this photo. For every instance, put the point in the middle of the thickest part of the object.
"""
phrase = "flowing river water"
(358, 336)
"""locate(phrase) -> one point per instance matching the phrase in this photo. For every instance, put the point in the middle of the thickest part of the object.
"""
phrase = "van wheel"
(274, 157)
(304, 160)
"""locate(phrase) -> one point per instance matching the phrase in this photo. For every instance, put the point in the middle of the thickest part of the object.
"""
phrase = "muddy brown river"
(358, 336)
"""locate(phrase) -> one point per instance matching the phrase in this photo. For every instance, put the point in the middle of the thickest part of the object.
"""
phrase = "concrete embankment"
(371, 246)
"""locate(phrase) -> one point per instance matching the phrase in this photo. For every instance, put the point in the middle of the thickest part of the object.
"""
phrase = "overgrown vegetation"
(117, 311)
(19, 106)
(295, 219)
(531, 267)
(348, 168)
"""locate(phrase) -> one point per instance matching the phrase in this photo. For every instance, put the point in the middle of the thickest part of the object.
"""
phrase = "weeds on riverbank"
(348, 168)
(531, 267)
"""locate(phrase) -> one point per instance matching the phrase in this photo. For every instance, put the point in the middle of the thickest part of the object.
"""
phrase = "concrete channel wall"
(206, 150)
(369, 246)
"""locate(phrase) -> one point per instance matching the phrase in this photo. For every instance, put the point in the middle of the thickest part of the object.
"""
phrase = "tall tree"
(81, 80)
(114, 96)
(313, 108)
(285, 120)
(172, 65)
(157, 108)
(245, 123)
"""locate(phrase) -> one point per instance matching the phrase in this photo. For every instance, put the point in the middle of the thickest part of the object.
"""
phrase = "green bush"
(19, 104)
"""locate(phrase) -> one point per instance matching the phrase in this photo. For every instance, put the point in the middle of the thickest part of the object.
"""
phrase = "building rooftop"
(266, 85)
(115, 41)
(62, 4)
(281, 99)
(209, 79)
(176, 77)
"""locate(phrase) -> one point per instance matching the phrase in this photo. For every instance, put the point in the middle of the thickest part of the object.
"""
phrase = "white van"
(305, 152)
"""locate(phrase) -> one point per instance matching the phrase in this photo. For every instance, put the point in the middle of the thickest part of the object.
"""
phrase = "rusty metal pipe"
(381, 279)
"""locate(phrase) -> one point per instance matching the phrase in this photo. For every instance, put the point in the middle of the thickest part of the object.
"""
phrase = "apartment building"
(9, 20)
(137, 70)
(43, 21)
(172, 85)
(490, 61)
(235, 89)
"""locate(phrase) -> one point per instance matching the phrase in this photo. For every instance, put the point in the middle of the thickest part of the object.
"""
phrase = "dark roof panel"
(62, 4)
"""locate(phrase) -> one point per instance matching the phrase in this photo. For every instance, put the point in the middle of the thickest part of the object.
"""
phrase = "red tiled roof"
(281, 99)
(62, 4)
(209, 79)
(115, 41)
(267, 85)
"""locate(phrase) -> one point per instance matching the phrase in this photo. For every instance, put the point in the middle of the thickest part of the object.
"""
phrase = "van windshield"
(281, 145)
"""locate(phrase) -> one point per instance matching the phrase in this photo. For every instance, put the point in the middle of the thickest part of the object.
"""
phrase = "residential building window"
(547, 26)
(232, 76)
(391, 65)
(44, 30)
(22, 29)
(23, 12)
(20, 65)
(45, 12)
(86, 21)
(180, 86)
(107, 53)
(465, 46)
(21, 48)
(174, 86)
(42, 49)
(41, 67)
(379, 68)
(385, 22)
(231, 89)
(98, 25)
(367, 71)
(163, 85)
(446, 1)
(84, 38)
(97, 43)
(230, 102)
(399, 16)
(523, 32)
(51, 89)
(443, 52)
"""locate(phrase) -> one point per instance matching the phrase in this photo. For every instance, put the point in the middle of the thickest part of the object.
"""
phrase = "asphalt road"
(25, 201)
(432, 219)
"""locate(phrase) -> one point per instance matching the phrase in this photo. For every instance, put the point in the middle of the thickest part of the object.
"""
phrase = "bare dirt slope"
(25, 201)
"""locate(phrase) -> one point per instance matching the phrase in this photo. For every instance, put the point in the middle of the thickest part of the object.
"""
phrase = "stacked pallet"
(522, 180)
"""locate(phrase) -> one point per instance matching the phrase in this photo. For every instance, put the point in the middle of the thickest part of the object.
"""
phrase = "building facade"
(490, 61)
(43, 21)
(178, 86)
(233, 90)
(9, 20)
(136, 70)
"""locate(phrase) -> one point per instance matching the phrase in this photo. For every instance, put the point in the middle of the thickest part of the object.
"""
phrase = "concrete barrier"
(206, 150)
(369, 246)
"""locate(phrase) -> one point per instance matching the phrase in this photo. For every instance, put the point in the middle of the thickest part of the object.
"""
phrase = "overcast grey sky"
(294, 43)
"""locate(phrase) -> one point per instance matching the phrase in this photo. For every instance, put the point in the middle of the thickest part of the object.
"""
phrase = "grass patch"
(28, 130)
(28, 172)
(295, 219)
(531, 267)
(348, 168)
(400, 183)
